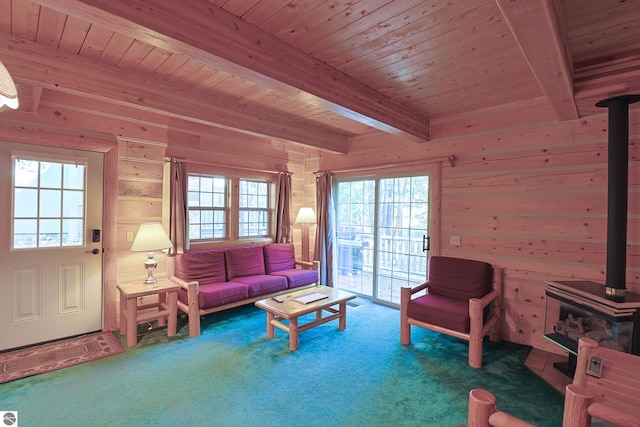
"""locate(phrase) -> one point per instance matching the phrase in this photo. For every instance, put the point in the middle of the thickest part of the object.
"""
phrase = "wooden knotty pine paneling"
(526, 192)
(528, 197)
(140, 197)
(144, 140)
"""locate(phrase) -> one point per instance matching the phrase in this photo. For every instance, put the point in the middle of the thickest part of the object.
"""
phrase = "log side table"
(166, 308)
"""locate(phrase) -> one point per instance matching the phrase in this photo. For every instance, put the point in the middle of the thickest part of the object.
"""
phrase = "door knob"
(96, 251)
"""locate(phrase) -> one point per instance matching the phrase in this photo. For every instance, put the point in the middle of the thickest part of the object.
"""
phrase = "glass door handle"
(426, 243)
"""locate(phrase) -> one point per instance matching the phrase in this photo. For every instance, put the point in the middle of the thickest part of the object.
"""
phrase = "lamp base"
(150, 280)
(150, 265)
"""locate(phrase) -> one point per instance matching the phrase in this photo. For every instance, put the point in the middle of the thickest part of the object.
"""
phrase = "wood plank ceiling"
(320, 72)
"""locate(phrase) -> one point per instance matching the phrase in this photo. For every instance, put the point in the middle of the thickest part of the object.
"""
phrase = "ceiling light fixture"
(8, 91)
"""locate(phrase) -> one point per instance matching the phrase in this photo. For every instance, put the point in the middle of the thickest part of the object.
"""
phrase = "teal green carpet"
(233, 376)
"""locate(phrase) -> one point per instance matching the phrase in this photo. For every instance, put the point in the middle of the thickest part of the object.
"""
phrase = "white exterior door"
(51, 250)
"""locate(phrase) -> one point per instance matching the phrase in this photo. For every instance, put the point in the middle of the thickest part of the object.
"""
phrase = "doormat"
(62, 354)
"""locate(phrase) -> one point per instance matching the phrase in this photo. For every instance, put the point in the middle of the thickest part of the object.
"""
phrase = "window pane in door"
(25, 232)
(25, 202)
(71, 232)
(49, 233)
(403, 216)
(73, 177)
(48, 203)
(355, 228)
(50, 175)
(73, 204)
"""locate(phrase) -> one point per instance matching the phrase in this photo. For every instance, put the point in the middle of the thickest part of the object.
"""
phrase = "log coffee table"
(291, 309)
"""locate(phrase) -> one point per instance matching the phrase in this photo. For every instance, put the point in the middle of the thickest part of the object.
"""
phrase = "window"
(48, 204)
(207, 207)
(254, 208)
(223, 207)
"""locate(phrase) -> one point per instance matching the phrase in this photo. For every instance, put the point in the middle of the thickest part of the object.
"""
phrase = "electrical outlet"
(454, 240)
(129, 236)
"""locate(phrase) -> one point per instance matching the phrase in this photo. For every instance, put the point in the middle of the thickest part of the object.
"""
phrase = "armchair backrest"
(459, 278)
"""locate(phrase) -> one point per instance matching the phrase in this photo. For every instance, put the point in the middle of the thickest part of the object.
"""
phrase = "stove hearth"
(577, 309)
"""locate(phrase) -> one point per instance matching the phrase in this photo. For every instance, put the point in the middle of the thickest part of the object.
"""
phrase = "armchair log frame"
(612, 398)
(478, 328)
(484, 412)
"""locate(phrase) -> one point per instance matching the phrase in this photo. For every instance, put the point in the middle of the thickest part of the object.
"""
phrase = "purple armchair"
(462, 300)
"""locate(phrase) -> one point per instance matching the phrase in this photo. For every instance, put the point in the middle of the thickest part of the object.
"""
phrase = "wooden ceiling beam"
(30, 133)
(537, 27)
(219, 39)
(38, 65)
(29, 96)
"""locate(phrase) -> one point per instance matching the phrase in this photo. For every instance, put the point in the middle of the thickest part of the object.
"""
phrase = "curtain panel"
(283, 208)
(323, 249)
(178, 209)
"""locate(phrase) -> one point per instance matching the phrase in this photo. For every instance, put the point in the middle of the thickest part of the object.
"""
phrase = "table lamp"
(151, 236)
(305, 217)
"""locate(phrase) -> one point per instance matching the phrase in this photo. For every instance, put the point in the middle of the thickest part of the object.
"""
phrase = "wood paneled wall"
(143, 142)
(525, 193)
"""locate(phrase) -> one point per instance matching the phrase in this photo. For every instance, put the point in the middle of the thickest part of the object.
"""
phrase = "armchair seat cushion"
(215, 294)
(443, 311)
(262, 284)
(298, 277)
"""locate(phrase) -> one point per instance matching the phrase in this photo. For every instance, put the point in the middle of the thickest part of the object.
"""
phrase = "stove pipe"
(617, 191)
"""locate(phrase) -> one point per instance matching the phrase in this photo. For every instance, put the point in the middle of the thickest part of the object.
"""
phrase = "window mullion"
(233, 209)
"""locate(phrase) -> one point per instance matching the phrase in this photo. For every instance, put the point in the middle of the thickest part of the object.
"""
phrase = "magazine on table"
(309, 298)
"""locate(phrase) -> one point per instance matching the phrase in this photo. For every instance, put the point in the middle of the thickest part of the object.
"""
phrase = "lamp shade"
(151, 236)
(8, 91)
(306, 216)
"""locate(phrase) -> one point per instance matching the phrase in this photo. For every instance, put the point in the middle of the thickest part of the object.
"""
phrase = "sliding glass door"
(380, 228)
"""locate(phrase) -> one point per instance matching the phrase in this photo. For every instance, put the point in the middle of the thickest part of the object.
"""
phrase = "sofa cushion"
(244, 261)
(459, 278)
(450, 313)
(204, 266)
(298, 277)
(263, 284)
(215, 294)
(279, 257)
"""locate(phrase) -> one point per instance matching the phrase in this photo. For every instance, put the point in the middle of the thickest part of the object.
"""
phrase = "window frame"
(213, 209)
(250, 209)
(233, 178)
(64, 190)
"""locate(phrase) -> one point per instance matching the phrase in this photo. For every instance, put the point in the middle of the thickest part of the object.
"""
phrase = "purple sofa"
(218, 279)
